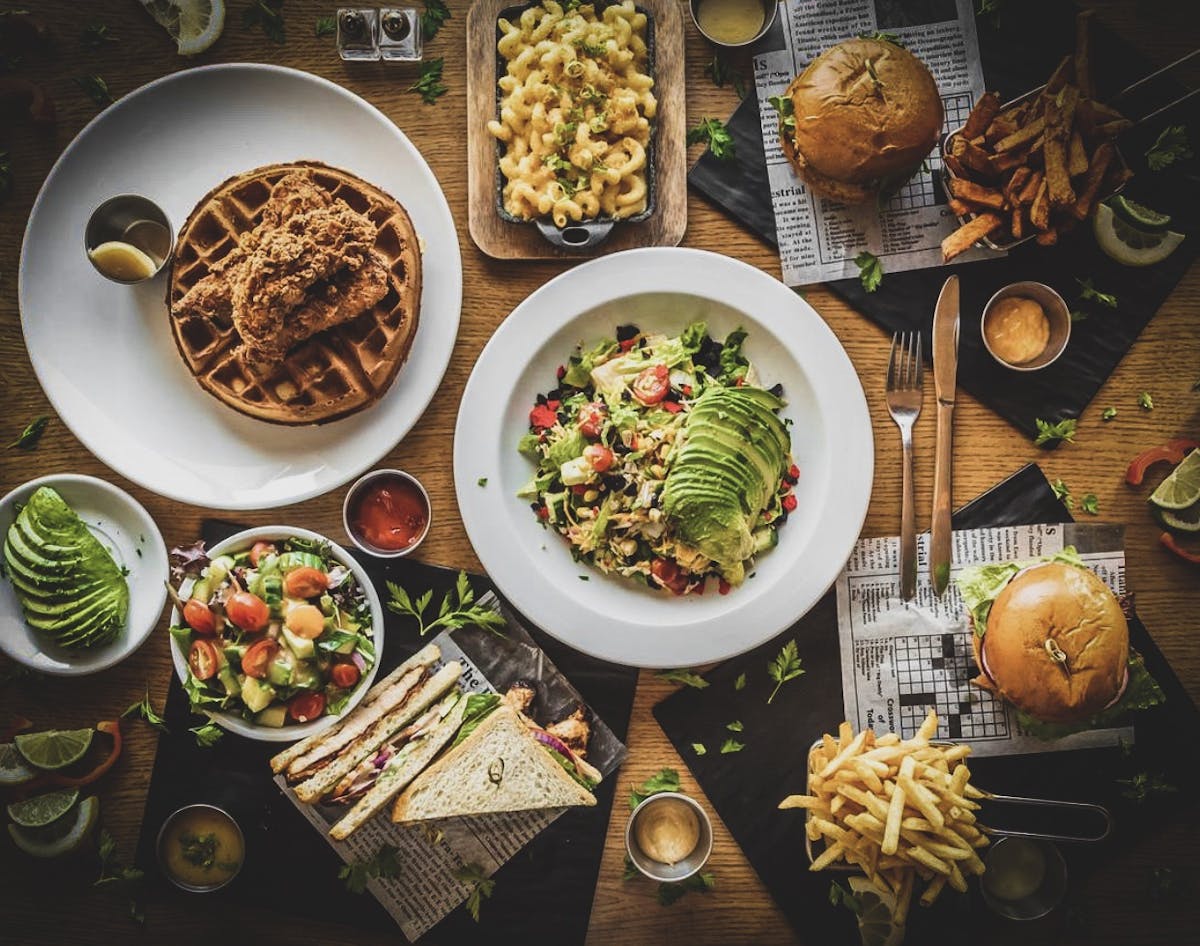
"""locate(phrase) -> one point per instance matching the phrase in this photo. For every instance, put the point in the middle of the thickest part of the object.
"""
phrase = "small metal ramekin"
(352, 494)
(1056, 311)
(770, 11)
(132, 219)
(1048, 894)
(193, 888)
(681, 870)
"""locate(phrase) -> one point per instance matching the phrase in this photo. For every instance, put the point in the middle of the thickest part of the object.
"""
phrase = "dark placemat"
(905, 301)
(544, 892)
(746, 787)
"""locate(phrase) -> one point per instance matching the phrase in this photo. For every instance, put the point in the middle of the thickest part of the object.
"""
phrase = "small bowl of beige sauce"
(128, 239)
(1026, 326)
(201, 848)
(733, 23)
(669, 837)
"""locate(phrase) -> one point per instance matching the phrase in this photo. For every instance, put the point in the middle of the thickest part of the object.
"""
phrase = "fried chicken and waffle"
(294, 293)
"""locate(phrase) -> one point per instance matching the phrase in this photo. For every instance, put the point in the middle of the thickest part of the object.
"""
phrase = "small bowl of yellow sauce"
(1026, 326)
(128, 239)
(1024, 879)
(201, 848)
(669, 837)
(733, 22)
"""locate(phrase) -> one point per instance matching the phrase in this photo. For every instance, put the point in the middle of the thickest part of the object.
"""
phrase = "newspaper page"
(819, 238)
(430, 853)
(899, 660)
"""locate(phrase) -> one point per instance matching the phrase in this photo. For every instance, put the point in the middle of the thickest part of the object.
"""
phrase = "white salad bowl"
(124, 528)
(292, 731)
(662, 290)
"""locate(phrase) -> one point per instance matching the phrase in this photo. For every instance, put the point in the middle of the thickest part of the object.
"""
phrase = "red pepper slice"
(18, 724)
(544, 415)
(1186, 554)
(1173, 451)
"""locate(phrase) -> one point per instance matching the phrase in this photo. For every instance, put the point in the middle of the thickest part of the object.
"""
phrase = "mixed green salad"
(662, 459)
(276, 633)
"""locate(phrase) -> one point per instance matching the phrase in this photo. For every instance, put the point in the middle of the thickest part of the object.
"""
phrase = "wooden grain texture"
(57, 905)
(665, 226)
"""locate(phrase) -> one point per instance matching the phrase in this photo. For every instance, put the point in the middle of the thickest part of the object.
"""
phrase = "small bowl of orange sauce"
(1026, 326)
(387, 513)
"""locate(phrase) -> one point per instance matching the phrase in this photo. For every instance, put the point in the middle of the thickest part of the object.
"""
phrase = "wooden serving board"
(501, 239)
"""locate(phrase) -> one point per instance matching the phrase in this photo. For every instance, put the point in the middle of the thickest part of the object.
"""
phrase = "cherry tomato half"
(306, 706)
(203, 659)
(669, 575)
(199, 617)
(306, 620)
(652, 385)
(258, 550)
(344, 675)
(600, 458)
(258, 658)
(305, 582)
(248, 611)
(591, 419)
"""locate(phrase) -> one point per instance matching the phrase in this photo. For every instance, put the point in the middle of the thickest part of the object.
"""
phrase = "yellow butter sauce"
(731, 21)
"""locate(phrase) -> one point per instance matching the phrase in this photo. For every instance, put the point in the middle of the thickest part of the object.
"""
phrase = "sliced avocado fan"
(724, 471)
(68, 584)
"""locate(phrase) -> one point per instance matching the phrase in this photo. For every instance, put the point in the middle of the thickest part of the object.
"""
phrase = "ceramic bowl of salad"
(276, 631)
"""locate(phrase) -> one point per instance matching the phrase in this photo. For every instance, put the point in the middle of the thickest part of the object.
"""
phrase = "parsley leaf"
(1090, 292)
(95, 35)
(665, 780)
(482, 887)
(207, 735)
(458, 608)
(630, 871)
(32, 433)
(717, 136)
(267, 15)
(839, 895)
(326, 26)
(1171, 146)
(1144, 787)
(870, 270)
(740, 682)
(383, 863)
(436, 13)
(785, 667)
(1109, 413)
(721, 72)
(699, 748)
(672, 893)
(146, 711)
(686, 677)
(482, 481)
(1090, 504)
(1052, 433)
(731, 745)
(1078, 315)
(990, 8)
(95, 88)
(783, 105)
(116, 876)
(429, 85)
(1145, 401)
(1063, 493)
(883, 38)
(735, 726)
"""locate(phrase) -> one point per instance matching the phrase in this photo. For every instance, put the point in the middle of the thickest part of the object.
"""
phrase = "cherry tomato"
(258, 550)
(305, 582)
(591, 419)
(305, 620)
(248, 611)
(306, 706)
(258, 658)
(669, 575)
(199, 617)
(600, 458)
(203, 659)
(1173, 451)
(344, 675)
(652, 385)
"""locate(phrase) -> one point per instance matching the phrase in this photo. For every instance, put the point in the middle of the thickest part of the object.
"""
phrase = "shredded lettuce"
(579, 372)
(979, 585)
(567, 447)
(1141, 693)
(733, 363)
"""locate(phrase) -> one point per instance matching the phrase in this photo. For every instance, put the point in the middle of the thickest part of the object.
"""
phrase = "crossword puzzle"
(919, 191)
(935, 670)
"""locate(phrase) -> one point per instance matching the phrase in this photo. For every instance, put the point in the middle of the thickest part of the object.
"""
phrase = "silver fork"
(905, 375)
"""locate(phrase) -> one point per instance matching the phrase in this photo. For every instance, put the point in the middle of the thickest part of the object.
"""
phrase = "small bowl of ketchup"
(387, 513)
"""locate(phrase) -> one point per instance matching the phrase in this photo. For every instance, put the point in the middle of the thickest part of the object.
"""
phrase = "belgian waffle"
(332, 374)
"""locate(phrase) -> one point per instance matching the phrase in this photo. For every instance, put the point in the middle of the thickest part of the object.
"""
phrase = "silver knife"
(945, 379)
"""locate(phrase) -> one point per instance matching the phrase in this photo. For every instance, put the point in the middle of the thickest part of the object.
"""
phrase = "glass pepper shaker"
(400, 33)
(357, 31)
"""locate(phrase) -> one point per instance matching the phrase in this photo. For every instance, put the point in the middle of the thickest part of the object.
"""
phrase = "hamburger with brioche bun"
(860, 119)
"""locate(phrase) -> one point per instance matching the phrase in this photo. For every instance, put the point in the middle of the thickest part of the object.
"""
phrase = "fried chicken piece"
(574, 730)
(520, 695)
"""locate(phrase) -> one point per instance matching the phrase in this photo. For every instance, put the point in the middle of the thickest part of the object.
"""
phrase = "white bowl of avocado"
(84, 574)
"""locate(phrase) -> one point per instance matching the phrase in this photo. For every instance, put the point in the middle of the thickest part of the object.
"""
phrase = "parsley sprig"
(435, 15)
(268, 16)
(1171, 145)
(207, 735)
(713, 132)
(429, 84)
(32, 433)
(1090, 504)
(671, 893)
(95, 88)
(1145, 787)
(326, 26)
(785, 667)
(145, 710)
(870, 270)
(116, 876)
(383, 863)
(787, 111)
(664, 780)
(1062, 493)
(458, 608)
(1049, 433)
(95, 35)
(481, 887)
(686, 677)
(721, 73)
(1088, 292)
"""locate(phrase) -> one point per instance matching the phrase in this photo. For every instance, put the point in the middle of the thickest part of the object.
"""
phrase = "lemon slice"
(1128, 245)
(1182, 520)
(193, 24)
(1178, 491)
(875, 925)
(13, 770)
(41, 810)
(1137, 214)
(55, 748)
(60, 838)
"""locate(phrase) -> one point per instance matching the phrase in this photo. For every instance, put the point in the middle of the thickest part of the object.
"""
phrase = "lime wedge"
(1137, 214)
(1182, 520)
(62, 837)
(13, 770)
(55, 748)
(193, 24)
(1178, 491)
(875, 925)
(1129, 245)
(41, 810)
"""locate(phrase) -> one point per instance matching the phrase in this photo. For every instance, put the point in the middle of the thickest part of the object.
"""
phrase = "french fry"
(1092, 181)
(1077, 159)
(903, 898)
(1039, 210)
(981, 115)
(1114, 128)
(965, 236)
(1060, 114)
(895, 813)
(805, 801)
(1030, 190)
(954, 165)
(931, 893)
(976, 193)
(851, 747)
(1061, 75)
(1047, 237)
(933, 862)
(1016, 182)
(974, 157)
(1022, 136)
(828, 856)
(846, 734)
(1083, 68)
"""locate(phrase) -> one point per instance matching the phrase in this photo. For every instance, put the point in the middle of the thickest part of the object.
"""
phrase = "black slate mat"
(746, 787)
(905, 301)
(544, 893)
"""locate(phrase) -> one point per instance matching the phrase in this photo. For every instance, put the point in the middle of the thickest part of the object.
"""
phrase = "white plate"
(293, 731)
(664, 290)
(127, 531)
(104, 352)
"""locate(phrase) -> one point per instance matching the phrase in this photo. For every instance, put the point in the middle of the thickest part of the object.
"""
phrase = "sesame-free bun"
(867, 113)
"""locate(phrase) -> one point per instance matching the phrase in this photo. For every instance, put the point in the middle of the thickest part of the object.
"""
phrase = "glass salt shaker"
(400, 34)
(357, 31)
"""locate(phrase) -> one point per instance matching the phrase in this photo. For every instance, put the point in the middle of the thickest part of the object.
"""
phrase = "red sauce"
(390, 513)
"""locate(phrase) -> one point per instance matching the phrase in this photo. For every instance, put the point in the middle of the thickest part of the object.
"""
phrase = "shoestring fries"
(899, 809)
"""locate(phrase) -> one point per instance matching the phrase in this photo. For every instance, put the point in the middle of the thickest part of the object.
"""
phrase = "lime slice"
(41, 810)
(55, 748)
(875, 926)
(1182, 520)
(193, 24)
(1178, 491)
(1128, 245)
(1138, 215)
(62, 837)
(13, 770)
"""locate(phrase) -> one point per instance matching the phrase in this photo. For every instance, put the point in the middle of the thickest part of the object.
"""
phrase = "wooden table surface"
(58, 907)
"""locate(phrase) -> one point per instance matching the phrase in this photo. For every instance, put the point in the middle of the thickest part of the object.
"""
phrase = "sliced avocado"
(279, 671)
(289, 561)
(257, 694)
(306, 677)
(273, 716)
(765, 538)
(302, 648)
(228, 680)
